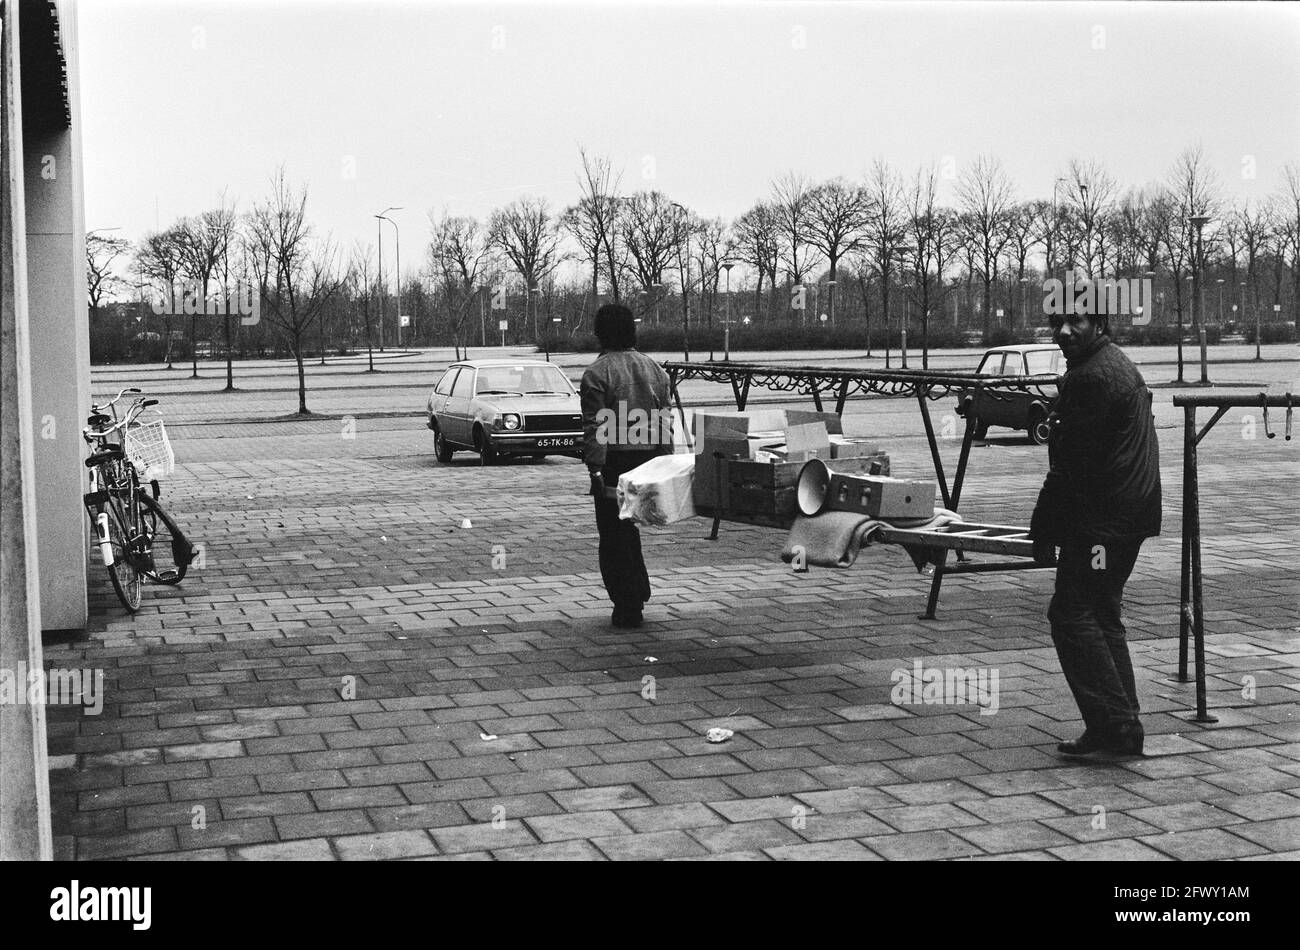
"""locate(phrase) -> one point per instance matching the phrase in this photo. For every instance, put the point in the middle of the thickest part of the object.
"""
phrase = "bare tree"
(1090, 189)
(649, 229)
(160, 258)
(526, 235)
(986, 197)
(887, 227)
(926, 226)
(758, 244)
(102, 280)
(838, 216)
(359, 286)
(792, 207)
(1022, 236)
(593, 222)
(296, 274)
(1196, 191)
(1287, 228)
(460, 252)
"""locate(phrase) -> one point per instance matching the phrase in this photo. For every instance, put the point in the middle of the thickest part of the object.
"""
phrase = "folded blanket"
(833, 538)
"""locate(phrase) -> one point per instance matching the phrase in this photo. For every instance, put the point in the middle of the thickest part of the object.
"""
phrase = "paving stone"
(488, 836)
(601, 799)
(384, 845)
(920, 846)
(746, 836)
(312, 849)
(1205, 844)
(671, 817)
(572, 850)
(649, 846)
(585, 824)
(1013, 836)
(823, 851)
(322, 824)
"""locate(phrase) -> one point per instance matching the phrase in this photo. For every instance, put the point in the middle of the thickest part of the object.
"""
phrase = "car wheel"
(1039, 428)
(487, 455)
(441, 449)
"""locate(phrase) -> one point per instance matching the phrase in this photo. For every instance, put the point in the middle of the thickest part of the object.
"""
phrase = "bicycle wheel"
(164, 544)
(124, 572)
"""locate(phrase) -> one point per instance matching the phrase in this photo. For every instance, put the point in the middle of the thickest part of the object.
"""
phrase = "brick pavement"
(323, 686)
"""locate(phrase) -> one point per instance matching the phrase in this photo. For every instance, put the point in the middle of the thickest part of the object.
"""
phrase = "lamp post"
(907, 316)
(1243, 317)
(1151, 276)
(830, 294)
(726, 325)
(1024, 306)
(1220, 283)
(537, 307)
(398, 238)
(685, 267)
(1199, 221)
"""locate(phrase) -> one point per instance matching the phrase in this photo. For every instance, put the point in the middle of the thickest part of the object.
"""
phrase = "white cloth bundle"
(658, 492)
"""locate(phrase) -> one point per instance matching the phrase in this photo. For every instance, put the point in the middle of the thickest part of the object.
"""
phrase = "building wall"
(24, 775)
(60, 341)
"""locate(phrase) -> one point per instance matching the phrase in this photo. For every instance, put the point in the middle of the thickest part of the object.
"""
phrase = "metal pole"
(379, 226)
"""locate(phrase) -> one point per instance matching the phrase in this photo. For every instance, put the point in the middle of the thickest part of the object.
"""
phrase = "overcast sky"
(428, 105)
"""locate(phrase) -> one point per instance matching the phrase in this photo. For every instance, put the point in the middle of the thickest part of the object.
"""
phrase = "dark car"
(1027, 410)
(501, 408)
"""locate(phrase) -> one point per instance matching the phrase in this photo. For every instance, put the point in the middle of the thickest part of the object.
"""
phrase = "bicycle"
(134, 534)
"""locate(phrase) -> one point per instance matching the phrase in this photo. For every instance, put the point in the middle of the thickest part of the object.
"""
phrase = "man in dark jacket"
(1100, 500)
(626, 422)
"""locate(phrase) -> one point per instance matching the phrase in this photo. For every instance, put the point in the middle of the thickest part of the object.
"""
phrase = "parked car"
(1028, 410)
(501, 408)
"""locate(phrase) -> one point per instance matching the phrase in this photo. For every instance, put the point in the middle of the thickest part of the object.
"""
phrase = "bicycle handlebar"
(115, 399)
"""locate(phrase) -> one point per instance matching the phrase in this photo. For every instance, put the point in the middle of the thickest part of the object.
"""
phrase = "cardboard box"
(880, 497)
(807, 441)
(846, 448)
(738, 422)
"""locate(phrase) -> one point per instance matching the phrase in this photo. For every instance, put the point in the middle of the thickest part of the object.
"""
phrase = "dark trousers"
(1089, 634)
(621, 566)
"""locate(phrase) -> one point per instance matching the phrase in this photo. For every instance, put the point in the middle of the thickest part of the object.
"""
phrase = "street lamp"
(726, 325)
(830, 294)
(685, 268)
(1199, 221)
(907, 316)
(398, 234)
(1024, 307)
(1243, 317)
(1220, 283)
(537, 307)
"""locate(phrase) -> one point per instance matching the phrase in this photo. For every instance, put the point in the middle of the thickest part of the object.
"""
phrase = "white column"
(24, 777)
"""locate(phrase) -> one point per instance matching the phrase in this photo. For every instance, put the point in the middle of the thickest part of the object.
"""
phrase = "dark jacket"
(625, 406)
(1104, 458)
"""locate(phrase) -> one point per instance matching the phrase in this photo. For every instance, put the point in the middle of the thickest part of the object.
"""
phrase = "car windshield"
(991, 365)
(522, 379)
(1043, 362)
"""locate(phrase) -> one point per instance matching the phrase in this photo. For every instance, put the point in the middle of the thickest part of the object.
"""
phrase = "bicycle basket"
(149, 450)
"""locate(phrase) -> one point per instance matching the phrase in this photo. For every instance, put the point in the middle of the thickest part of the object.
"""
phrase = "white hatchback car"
(503, 408)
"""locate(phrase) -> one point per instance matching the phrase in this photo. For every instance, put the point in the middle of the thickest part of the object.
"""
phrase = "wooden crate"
(768, 488)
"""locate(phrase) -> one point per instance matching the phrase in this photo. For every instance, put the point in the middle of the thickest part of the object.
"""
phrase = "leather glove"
(1044, 553)
(597, 484)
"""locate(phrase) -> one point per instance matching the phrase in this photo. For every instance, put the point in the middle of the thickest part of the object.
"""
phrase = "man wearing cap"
(1100, 501)
(621, 383)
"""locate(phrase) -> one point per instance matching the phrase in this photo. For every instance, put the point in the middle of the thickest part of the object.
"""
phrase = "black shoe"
(1086, 744)
(1126, 740)
(626, 618)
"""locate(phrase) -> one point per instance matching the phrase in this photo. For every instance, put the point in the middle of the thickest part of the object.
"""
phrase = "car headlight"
(509, 421)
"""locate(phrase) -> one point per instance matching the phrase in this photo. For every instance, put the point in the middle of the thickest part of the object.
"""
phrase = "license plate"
(560, 443)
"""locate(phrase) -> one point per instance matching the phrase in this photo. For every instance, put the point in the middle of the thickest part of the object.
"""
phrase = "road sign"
(503, 325)
(406, 320)
(1000, 312)
(1277, 308)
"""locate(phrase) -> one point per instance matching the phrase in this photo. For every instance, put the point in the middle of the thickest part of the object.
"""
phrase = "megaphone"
(821, 489)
